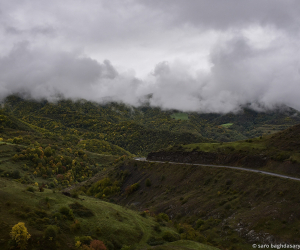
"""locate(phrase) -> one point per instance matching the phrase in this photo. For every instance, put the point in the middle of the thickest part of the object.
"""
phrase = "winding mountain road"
(220, 166)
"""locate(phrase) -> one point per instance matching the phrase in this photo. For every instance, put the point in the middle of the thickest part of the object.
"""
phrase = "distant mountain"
(143, 129)
(277, 153)
(113, 123)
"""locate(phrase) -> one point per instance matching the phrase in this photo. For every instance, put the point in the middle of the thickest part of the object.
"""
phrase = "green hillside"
(117, 124)
(144, 129)
(227, 208)
(36, 167)
(85, 150)
(56, 221)
(277, 152)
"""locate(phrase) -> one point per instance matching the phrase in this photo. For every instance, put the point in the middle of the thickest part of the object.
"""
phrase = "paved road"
(220, 166)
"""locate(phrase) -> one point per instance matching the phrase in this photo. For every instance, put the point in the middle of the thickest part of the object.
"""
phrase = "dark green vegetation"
(137, 130)
(35, 165)
(56, 221)
(83, 150)
(108, 129)
(227, 208)
(277, 153)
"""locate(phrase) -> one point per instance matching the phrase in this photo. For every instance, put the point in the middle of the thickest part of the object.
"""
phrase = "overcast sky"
(196, 55)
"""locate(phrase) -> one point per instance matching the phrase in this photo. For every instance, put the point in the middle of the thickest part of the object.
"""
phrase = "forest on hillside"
(113, 127)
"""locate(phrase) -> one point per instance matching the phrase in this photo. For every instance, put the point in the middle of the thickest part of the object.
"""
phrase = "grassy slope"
(119, 225)
(180, 116)
(115, 223)
(280, 150)
(228, 203)
(180, 194)
(227, 125)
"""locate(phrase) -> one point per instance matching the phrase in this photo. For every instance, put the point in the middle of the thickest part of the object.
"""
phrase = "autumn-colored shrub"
(20, 235)
(97, 245)
(132, 188)
(84, 239)
(75, 226)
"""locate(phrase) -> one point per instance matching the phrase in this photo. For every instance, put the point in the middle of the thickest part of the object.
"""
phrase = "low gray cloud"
(204, 56)
(240, 75)
(230, 13)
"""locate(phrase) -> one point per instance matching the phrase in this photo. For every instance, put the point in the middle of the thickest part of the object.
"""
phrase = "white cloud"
(201, 56)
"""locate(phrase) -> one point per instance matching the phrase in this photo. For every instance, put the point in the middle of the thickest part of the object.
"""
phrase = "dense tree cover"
(139, 130)
(115, 123)
(102, 147)
(62, 166)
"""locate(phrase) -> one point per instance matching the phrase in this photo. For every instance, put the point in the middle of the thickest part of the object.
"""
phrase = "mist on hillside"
(189, 63)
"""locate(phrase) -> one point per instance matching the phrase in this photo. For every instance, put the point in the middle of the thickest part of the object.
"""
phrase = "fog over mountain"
(206, 56)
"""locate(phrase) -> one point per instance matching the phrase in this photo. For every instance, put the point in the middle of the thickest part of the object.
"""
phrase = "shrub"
(155, 241)
(30, 189)
(15, 174)
(199, 223)
(104, 187)
(20, 235)
(50, 232)
(170, 237)
(77, 244)
(163, 216)
(132, 188)
(41, 213)
(109, 245)
(67, 212)
(75, 226)
(48, 151)
(84, 239)
(21, 214)
(64, 210)
(97, 245)
(281, 156)
(81, 210)
(85, 247)
(41, 187)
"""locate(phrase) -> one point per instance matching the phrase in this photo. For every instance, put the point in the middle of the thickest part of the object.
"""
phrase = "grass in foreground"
(116, 226)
